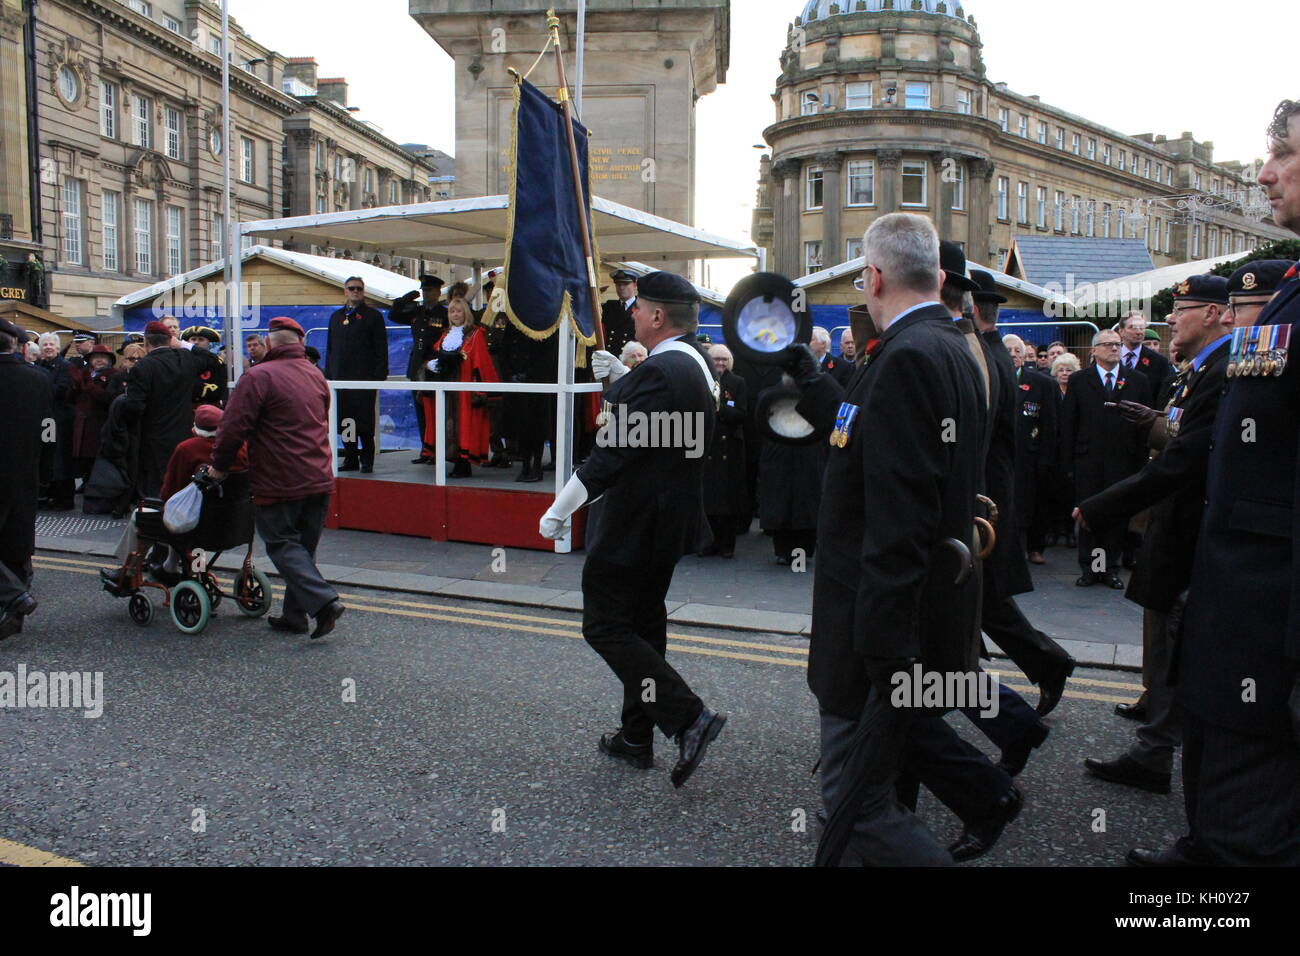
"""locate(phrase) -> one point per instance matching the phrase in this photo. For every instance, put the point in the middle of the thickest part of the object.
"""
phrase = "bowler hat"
(952, 260)
(988, 287)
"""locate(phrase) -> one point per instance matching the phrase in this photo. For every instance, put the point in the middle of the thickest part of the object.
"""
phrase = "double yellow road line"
(756, 651)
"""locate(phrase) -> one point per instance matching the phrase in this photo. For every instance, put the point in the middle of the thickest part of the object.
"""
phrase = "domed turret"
(821, 9)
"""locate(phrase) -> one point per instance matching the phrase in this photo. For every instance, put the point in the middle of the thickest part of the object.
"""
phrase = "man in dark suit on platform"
(1099, 447)
(357, 350)
(1172, 485)
(1137, 356)
(25, 397)
(648, 511)
(616, 314)
(1238, 659)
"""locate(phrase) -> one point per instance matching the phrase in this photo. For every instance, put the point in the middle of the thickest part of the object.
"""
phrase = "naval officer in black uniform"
(1172, 485)
(427, 318)
(616, 314)
(647, 512)
(1238, 660)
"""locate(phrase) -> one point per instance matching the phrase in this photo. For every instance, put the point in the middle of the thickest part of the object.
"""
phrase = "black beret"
(622, 275)
(427, 279)
(8, 328)
(1203, 288)
(1261, 277)
(668, 288)
(988, 287)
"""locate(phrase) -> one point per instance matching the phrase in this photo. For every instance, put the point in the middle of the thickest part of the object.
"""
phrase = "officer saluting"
(1239, 656)
(616, 314)
(649, 513)
(427, 318)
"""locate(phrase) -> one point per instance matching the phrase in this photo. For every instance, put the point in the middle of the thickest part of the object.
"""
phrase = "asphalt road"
(471, 741)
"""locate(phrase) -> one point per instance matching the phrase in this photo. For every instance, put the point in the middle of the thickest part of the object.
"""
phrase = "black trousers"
(417, 399)
(1029, 648)
(1110, 541)
(356, 410)
(1242, 795)
(957, 773)
(724, 533)
(625, 622)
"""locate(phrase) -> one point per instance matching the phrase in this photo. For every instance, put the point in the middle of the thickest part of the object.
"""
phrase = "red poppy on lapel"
(1024, 388)
(873, 347)
(1146, 361)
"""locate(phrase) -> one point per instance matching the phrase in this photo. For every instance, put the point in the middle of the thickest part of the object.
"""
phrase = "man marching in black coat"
(649, 513)
(26, 397)
(357, 350)
(1172, 485)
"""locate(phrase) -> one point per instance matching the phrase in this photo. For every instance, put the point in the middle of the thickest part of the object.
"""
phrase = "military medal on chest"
(844, 421)
(1259, 351)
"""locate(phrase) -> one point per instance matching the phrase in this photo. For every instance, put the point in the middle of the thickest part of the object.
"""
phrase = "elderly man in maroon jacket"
(281, 409)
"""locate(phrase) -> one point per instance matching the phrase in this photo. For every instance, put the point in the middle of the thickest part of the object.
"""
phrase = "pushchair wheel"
(140, 609)
(190, 607)
(210, 585)
(253, 592)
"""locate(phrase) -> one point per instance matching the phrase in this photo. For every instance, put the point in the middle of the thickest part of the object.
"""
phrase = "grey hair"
(904, 247)
(1013, 340)
(47, 337)
(1100, 333)
(1068, 358)
(719, 349)
(820, 334)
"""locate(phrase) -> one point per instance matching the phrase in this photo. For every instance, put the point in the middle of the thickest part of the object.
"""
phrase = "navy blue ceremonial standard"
(546, 273)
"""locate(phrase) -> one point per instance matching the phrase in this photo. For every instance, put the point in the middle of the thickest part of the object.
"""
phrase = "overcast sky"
(1133, 65)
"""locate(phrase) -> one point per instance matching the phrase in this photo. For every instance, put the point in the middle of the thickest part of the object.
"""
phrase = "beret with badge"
(667, 288)
(1202, 288)
(1261, 277)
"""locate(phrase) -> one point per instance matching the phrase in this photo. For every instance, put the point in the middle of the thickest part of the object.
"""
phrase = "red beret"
(286, 324)
(207, 417)
(156, 328)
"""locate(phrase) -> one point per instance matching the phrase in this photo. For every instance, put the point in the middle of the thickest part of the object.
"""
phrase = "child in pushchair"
(190, 589)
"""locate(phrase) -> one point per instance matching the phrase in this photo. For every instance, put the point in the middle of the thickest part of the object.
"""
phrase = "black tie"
(1110, 382)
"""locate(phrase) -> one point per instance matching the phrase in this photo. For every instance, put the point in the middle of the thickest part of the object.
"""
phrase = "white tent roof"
(854, 266)
(473, 231)
(1153, 281)
(381, 284)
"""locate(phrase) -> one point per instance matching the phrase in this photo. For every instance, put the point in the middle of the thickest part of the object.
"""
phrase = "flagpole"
(579, 193)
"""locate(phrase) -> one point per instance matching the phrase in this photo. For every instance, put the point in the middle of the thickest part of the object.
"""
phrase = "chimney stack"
(334, 89)
(301, 68)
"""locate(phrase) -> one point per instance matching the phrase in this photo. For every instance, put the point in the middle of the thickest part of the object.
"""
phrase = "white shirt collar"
(906, 312)
(1136, 353)
(1102, 373)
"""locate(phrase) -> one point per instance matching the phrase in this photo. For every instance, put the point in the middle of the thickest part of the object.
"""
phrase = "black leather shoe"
(638, 755)
(22, 605)
(367, 469)
(284, 624)
(1129, 772)
(1052, 687)
(1142, 856)
(422, 460)
(1016, 756)
(349, 466)
(327, 618)
(693, 741)
(1112, 580)
(114, 581)
(1085, 580)
(978, 838)
(1134, 711)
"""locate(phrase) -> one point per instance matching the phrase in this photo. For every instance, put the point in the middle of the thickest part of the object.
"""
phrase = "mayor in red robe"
(461, 355)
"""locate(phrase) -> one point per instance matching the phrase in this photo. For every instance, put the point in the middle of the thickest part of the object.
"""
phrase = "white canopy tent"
(473, 232)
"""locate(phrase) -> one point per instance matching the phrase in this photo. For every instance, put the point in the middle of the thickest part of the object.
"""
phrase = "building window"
(1060, 211)
(1060, 137)
(1004, 119)
(144, 236)
(320, 155)
(1160, 172)
(1024, 126)
(1123, 158)
(1169, 237)
(1042, 133)
(862, 182)
(369, 181)
(141, 7)
(248, 167)
(140, 131)
(173, 127)
(1004, 187)
(1022, 202)
(1092, 148)
(1146, 168)
(1169, 175)
(1074, 143)
(1105, 220)
(320, 205)
(1040, 211)
(812, 254)
(1214, 244)
(813, 191)
(1105, 155)
(918, 96)
(1196, 242)
(218, 235)
(853, 250)
(394, 194)
(72, 222)
(914, 183)
(175, 247)
(1133, 165)
(338, 168)
(1092, 220)
(857, 96)
(108, 109)
(69, 86)
(1074, 215)
(214, 44)
(809, 103)
(112, 215)
(171, 23)
(963, 101)
(959, 187)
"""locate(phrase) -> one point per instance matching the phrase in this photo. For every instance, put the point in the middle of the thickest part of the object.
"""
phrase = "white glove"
(605, 365)
(570, 499)
(432, 366)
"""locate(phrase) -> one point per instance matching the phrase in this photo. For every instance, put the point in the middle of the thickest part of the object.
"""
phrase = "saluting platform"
(488, 508)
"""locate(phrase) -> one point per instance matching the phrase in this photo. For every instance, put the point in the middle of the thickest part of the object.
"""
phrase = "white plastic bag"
(181, 513)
